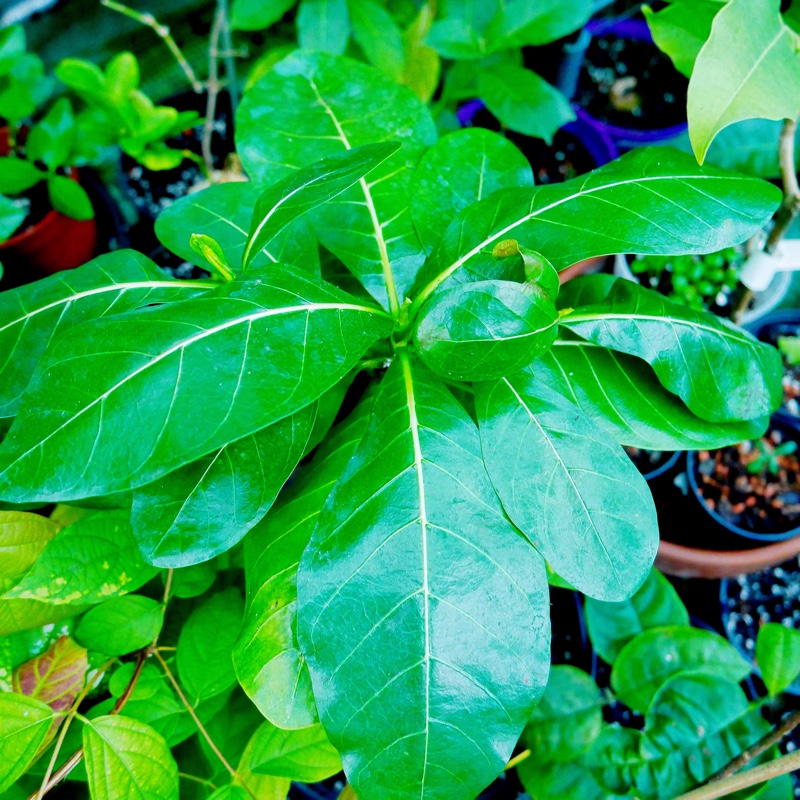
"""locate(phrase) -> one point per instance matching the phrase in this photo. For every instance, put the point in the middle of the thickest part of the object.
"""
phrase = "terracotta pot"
(585, 267)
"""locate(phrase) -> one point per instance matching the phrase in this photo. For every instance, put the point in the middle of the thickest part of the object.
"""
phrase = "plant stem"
(231, 79)
(518, 759)
(213, 87)
(764, 772)
(162, 31)
(195, 778)
(790, 206)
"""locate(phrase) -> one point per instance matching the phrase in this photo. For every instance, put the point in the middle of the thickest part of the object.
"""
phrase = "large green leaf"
(23, 536)
(312, 105)
(652, 200)
(484, 330)
(177, 520)
(255, 350)
(460, 169)
(224, 212)
(24, 723)
(32, 315)
(622, 395)
(778, 656)
(721, 372)
(651, 658)
(89, 561)
(120, 625)
(612, 625)
(416, 590)
(301, 191)
(681, 29)
(568, 486)
(267, 658)
(127, 758)
(303, 755)
(750, 52)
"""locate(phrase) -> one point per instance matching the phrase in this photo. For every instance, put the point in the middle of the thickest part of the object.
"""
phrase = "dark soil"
(791, 374)
(631, 84)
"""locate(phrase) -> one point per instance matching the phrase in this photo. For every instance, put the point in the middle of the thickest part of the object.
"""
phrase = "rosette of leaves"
(397, 589)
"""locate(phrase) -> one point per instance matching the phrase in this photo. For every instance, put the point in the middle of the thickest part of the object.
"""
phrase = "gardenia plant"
(459, 418)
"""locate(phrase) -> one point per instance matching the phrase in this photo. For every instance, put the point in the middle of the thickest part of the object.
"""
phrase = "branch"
(213, 86)
(790, 206)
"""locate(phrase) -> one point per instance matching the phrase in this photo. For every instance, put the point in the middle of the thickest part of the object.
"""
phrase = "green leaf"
(568, 486)
(122, 75)
(378, 36)
(176, 519)
(471, 600)
(651, 658)
(120, 625)
(749, 53)
(24, 724)
(288, 199)
(18, 174)
(55, 677)
(303, 755)
(69, 197)
(312, 106)
(89, 561)
(323, 25)
(85, 78)
(523, 101)
(255, 15)
(778, 656)
(681, 29)
(264, 787)
(612, 625)
(224, 212)
(23, 536)
(422, 63)
(622, 395)
(193, 581)
(126, 758)
(461, 168)
(521, 22)
(12, 46)
(485, 330)
(11, 217)
(266, 657)
(24, 88)
(26, 615)
(722, 373)
(554, 781)
(52, 138)
(278, 328)
(204, 647)
(32, 315)
(209, 249)
(567, 719)
(652, 200)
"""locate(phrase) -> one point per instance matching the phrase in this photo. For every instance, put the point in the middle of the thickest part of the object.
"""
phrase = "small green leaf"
(52, 138)
(56, 676)
(84, 77)
(303, 755)
(127, 758)
(778, 656)
(122, 75)
(11, 217)
(209, 249)
(681, 29)
(18, 174)
(256, 15)
(555, 781)
(612, 625)
(23, 536)
(323, 25)
(69, 197)
(193, 581)
(378, 36)
(120, 625)
(24, 724)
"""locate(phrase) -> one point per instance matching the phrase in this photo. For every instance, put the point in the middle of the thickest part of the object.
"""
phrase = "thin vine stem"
(212, 87)
(790, 207)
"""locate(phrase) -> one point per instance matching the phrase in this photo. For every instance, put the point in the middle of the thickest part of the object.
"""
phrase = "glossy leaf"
(750, 51)
(24, 724)
(681, 29)
(267, 657)
(568, 486)
(126, 758)
(651, 658)
(612, 625)
(378, 36)
(280, 340)
(23, 536)
(778, 656)
(303, 755)
(460, 169)
(722, 373)
(205, 643)
(288, 199)
(177, 521)
(484, 330)
(89, 561)
(652, 200)
(56, 676)
(439, 567)
(323, 25)
(120, 625)
(623, 396)
(312, 106)
(31, 316)
(567, 719)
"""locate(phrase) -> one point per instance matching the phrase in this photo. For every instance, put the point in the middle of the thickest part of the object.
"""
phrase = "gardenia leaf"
(120, 625)
(448, 570)
(622, 395)
(778, 656)
(568, 486)
(313, 105)
(303, 755)
(177, 520)
(721, 372)
(31, 316)
(750, 51)
(256, 350)
(288, 199)
(266, 657)
(24, 724)
(126, 758)
(23, 536)
(612, 625)
(480, 331)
